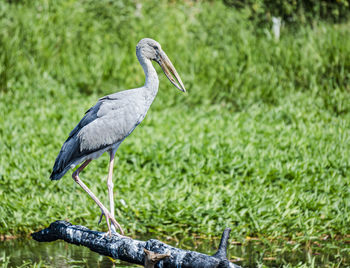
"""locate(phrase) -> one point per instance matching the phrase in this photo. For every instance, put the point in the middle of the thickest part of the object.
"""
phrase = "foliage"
(260, 143)
(294, 11)
(89, 46)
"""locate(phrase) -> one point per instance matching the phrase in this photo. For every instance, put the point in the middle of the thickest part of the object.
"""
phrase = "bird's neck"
(152, 81)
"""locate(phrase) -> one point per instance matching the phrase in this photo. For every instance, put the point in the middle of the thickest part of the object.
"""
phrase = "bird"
(113, 118)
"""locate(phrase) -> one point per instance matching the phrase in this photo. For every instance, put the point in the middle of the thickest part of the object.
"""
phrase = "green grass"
(260, 144)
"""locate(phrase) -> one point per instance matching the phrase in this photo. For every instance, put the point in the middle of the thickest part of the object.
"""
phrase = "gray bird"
(111, 120)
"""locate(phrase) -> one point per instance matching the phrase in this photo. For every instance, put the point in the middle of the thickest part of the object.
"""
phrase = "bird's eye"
(155, 47)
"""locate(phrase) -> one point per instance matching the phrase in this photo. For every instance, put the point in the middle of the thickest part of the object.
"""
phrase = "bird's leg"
(110, 183)
(98, 202)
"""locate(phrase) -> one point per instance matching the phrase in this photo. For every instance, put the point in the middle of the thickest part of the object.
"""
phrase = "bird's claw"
(114, 224)
(99, 221)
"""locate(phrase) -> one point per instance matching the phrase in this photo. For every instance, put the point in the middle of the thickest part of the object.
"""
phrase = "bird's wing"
(115, 120)
(101, 108)
(111, 120)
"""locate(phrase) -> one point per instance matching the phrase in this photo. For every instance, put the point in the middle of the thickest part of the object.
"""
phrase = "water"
(28, 253)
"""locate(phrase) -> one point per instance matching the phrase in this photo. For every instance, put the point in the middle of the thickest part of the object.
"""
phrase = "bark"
(152, 253)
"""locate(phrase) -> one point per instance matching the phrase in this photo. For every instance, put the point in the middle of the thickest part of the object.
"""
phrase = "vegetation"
(260, 143)
(294, 12)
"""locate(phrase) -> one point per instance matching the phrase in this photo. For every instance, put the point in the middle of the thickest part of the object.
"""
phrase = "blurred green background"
(260, 143)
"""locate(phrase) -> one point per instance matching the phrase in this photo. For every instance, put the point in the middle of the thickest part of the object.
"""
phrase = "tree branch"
(133, 251)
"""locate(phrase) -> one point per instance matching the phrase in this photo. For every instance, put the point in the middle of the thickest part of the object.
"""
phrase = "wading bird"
(111, 120)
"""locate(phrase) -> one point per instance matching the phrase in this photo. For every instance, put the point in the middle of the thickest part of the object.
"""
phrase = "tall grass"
(89, 47)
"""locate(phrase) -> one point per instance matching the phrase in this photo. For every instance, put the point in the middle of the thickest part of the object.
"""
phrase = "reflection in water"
(26, 252)
(56, 254)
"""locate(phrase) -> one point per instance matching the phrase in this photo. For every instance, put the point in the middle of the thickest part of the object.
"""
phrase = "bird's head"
(151, 49)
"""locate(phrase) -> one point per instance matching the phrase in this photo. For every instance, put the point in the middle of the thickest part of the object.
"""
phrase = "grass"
(260, 144)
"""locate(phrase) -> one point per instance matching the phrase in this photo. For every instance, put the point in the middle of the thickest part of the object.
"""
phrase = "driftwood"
(151, 253)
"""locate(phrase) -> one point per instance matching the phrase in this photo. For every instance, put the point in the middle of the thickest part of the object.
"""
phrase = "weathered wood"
(152, 258)
(130, 250)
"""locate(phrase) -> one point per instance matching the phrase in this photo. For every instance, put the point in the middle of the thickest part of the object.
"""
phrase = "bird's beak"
(169, 69)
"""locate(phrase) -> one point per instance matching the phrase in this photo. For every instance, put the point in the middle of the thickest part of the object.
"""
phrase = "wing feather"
(110, 121)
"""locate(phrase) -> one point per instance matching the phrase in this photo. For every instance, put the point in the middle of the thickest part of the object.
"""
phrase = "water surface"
(27, 252)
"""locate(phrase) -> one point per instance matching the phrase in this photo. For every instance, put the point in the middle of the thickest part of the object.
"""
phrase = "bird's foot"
(111, 227)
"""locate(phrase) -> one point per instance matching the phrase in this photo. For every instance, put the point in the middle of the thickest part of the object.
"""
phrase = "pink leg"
(110, 183)
(98, 202)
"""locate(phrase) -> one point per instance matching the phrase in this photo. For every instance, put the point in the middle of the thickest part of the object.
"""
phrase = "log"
(135, 251)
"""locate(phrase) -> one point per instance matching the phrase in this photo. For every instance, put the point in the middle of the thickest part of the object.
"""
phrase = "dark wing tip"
(55, 176)
(58, 174)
